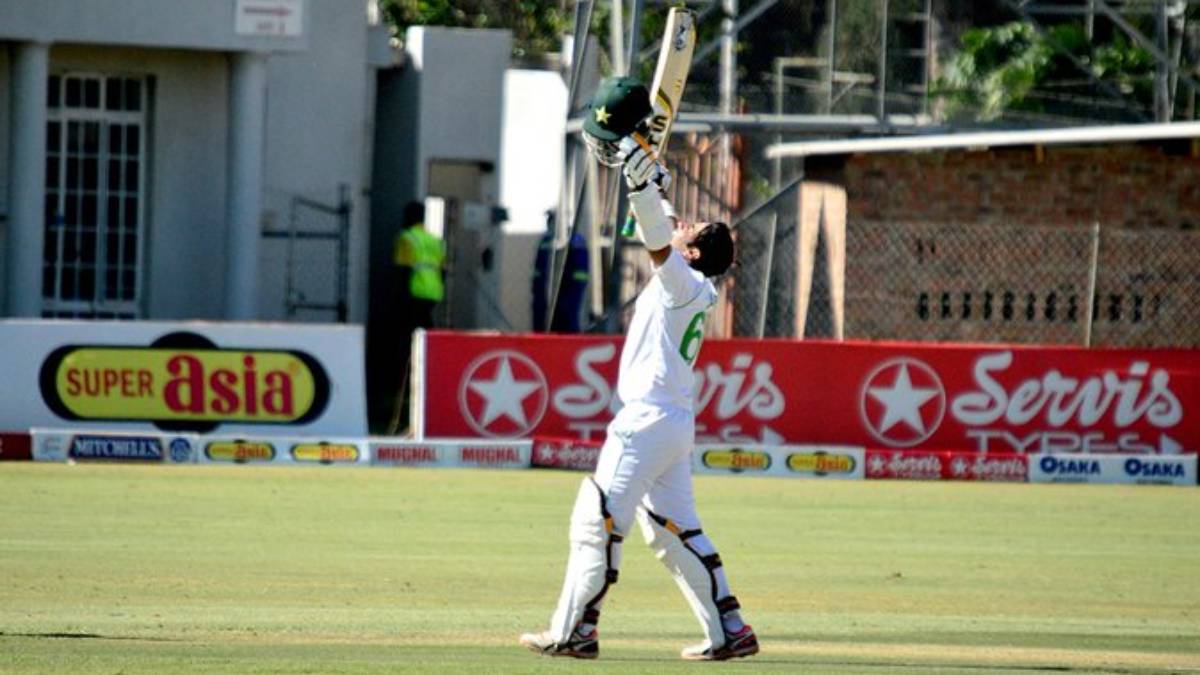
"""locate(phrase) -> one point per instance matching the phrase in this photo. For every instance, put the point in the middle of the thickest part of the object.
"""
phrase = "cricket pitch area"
(199, 569)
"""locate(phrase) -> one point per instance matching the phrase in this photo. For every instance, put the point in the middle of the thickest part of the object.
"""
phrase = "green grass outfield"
(153, 569)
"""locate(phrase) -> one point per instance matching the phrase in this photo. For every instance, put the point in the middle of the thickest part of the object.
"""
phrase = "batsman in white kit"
(644, 470)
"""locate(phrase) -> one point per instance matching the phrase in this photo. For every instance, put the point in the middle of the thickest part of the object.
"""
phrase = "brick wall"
(996, 245)
(1123, 185)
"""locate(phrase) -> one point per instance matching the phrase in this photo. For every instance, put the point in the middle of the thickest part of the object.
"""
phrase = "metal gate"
(317, 279)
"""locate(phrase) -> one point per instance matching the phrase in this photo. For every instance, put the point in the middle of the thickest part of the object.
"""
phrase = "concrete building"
(147, 145)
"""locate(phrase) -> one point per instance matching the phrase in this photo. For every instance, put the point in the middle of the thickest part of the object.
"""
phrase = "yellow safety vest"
(424, 253)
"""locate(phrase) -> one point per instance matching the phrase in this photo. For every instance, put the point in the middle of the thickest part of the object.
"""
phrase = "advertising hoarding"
(898, 396)
(200, 377)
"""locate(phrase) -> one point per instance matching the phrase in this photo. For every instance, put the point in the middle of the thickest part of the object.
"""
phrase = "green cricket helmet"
(619, 105)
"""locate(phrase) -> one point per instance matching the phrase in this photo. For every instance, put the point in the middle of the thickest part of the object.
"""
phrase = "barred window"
(95, 194)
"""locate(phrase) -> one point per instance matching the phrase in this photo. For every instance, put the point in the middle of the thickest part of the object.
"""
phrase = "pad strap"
(728, 604)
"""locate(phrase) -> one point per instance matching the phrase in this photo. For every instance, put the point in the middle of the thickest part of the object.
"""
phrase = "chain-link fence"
(1103, 286)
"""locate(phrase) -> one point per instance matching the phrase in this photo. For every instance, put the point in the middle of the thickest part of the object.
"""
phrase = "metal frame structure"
(1170, 20)
(627, 54)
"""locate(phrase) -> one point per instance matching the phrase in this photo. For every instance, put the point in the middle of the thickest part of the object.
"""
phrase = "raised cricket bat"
(670, 77)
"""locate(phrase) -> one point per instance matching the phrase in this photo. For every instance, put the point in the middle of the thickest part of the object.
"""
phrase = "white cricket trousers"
(647, 460)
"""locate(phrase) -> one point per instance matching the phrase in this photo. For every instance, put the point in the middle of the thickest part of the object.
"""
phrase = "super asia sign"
(183, 381)
(141, 376)
(916, 396)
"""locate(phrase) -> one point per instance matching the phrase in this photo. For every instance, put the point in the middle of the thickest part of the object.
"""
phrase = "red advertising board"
(15, 446)
(566, 453)
(946, 465)
(900, 396)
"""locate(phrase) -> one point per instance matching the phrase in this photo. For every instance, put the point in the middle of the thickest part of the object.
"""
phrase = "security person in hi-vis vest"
(419, 257)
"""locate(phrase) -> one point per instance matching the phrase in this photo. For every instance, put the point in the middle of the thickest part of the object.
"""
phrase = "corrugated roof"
(1072, 135)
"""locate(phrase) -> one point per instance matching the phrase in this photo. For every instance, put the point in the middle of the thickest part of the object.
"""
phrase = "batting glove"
(642, 168)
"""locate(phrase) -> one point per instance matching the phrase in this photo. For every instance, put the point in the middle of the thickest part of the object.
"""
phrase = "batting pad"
(692, 559)
(592, 565)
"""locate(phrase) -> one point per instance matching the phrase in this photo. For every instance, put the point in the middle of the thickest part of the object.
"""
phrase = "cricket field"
(238, 569)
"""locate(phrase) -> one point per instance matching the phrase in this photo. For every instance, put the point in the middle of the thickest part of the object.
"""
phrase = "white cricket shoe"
(577, 646)
(739, 644)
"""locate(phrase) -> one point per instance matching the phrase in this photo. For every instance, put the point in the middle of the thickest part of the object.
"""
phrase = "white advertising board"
(61, 445)
(515, 454)
(1116, 468)
(794, 461)
(263, 449)
(195, 377)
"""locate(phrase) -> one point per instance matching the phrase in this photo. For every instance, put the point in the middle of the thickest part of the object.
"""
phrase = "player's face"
(681, 240)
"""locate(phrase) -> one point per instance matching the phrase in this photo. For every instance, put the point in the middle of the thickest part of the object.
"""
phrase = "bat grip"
(629, 229)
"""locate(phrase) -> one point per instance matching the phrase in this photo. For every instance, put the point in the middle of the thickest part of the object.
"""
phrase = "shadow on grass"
(83, 636)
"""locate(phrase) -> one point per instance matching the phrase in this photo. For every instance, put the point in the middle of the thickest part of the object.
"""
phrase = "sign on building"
(270, 18)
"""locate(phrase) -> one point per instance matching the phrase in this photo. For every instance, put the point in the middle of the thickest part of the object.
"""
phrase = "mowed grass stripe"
(274, 569)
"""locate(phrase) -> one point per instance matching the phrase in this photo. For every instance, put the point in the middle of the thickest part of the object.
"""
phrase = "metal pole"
(1161, 85)
(728, 55)
(615, 193)
(616, 36)
(728, 74)
(881, 85)
(777, 163)
(583, 19)
(1176, 55)
(831, 6)
(1091, 287)
(927, 71)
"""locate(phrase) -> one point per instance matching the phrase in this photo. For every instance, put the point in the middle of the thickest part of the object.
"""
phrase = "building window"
(95, 196)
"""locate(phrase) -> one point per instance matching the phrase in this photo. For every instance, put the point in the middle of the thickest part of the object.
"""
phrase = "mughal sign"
(899, 396)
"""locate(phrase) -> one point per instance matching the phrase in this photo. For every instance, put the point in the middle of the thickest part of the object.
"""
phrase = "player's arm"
(656, 220)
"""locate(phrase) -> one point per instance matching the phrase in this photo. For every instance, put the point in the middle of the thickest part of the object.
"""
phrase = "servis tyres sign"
(918, 396)
(196, 377)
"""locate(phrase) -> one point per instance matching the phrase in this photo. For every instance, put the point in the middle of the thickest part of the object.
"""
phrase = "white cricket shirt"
(665, 335)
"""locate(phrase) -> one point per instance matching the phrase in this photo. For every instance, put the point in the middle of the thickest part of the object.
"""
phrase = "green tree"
(537, 26)
(1014, 67)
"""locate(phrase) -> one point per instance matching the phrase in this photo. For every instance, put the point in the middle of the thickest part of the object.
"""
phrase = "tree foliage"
(1012, 66)
(537, 25)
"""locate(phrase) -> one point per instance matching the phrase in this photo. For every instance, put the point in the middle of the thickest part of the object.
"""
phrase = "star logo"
(503, 394)
(602, 116)
(902, 402)
(878, 464)
(959, 467)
